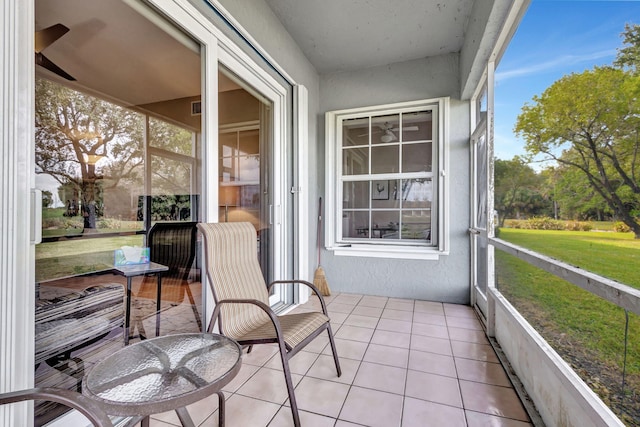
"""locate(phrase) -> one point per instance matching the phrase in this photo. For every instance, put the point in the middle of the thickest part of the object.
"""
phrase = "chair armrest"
(309, 285)
(263, 306)
(89, 408)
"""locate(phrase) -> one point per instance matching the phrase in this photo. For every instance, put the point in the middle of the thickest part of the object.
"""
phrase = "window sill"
(380, 251)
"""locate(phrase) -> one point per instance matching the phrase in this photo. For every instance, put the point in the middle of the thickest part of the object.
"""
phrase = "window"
(386, 180)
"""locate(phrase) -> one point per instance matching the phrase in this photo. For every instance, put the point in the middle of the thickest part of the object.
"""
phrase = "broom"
(319, 278)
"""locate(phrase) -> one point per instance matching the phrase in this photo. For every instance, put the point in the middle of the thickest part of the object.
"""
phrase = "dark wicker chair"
(242, 299)
(172, 244)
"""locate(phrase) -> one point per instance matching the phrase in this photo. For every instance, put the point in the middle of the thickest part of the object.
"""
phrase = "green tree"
(575, 197)
(517, 189)
(629, 55)
(591, 121)
(47, 199)
(74, 132)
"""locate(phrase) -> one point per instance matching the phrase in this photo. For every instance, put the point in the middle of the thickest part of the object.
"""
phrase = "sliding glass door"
(244, 172)
(126, 138)
(117, 151)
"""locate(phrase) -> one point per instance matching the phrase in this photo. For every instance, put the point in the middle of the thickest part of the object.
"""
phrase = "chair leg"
(290, 388)
(137, 323)
(333, 350)
(193, 306)
(221, 409)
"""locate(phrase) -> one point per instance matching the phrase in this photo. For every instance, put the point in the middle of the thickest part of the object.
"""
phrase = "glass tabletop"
(163, 373)
(140, 269)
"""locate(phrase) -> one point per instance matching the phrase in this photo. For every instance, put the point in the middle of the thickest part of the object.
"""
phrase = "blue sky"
(554, 38)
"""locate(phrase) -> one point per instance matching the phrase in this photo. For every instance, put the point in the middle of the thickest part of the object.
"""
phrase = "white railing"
(618, 293)
(560, 396)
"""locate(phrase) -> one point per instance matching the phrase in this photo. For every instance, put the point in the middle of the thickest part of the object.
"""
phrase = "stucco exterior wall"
(446, 279)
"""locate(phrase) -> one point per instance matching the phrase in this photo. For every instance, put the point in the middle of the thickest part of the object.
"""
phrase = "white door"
(479, 219)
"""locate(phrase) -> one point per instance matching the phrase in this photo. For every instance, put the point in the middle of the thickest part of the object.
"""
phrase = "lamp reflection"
(230, 196)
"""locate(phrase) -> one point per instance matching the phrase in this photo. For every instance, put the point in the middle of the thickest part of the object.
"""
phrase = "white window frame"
(333, 182)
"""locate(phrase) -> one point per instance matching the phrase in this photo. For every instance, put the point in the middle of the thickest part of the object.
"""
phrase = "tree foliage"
(575, 198)
(74, 132)
(629, 55)
(591, 122)
(518, 190)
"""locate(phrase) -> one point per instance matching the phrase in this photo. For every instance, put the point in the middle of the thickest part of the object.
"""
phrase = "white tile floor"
(404, 363)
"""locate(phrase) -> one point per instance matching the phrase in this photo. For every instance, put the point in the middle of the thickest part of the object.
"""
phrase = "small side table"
(131, 271)
(163, 374)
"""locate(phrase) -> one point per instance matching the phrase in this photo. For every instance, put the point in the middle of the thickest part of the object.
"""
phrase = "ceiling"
(339, 35)
(118, 52)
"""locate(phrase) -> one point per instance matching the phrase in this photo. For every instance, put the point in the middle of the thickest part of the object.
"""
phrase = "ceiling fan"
(389, 131)
(43, 39)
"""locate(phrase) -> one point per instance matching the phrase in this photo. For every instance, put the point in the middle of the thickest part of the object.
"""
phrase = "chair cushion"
(295, 328)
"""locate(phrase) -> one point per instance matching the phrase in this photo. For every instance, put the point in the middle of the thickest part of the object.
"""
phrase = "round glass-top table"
(163, 374)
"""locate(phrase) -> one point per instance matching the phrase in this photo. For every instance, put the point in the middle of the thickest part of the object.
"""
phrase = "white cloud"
(561, 61)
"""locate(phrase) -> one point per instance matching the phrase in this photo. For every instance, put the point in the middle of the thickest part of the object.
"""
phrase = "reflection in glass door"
(244, 175)
(112, 158)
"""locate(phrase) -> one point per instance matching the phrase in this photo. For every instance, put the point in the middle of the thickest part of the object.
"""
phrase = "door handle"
(35, 217)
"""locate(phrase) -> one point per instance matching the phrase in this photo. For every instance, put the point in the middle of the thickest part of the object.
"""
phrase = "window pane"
(416, 225)
(417, 126)
(380, 190)
(355, 194)
(417, 193)
(385, 159)
(384, 194)
(249, 141)
(355, 161)
(170, 137)
(355, 132)
(417, 157)
(170, 176)
(227, 168)
(355, 224)
(384, 224)
(384, 129)
(249, 169)
(228, 142)
(481, 105)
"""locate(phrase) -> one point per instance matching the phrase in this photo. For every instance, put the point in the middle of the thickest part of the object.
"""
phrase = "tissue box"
(130, 255)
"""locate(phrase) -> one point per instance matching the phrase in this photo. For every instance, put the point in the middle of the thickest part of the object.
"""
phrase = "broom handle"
(319, 224)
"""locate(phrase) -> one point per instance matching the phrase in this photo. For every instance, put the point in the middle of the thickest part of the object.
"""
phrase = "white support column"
(17, 177)
(302, 193)
(491, 279)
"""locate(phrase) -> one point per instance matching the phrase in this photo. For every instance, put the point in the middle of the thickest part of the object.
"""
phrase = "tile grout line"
(455, 366)
(355, 375)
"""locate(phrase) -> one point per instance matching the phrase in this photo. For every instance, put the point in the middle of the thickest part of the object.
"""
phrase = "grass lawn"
(586, 330)
(78, 256)
(612, 255)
